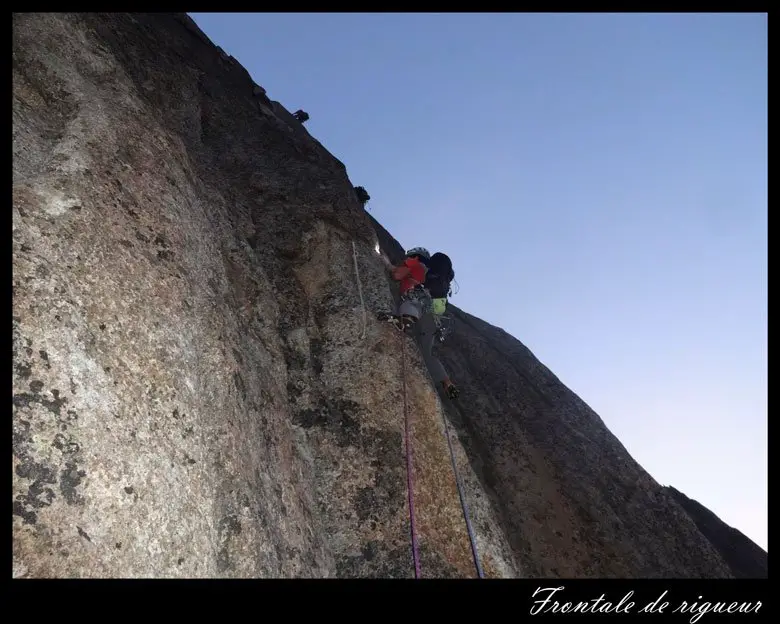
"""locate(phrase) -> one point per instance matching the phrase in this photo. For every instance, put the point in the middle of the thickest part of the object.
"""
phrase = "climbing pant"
(410, 307)
(425, 332)
(415, 302)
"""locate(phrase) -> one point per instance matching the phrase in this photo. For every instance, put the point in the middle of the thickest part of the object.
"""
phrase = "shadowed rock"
(745, 558)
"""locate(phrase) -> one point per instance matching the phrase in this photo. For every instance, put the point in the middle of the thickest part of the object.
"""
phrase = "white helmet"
(419, 251)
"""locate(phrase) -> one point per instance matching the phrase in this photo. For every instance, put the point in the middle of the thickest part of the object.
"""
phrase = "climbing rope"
(409, 479)
(458, 482)
(360, 290)
(463, 505)
(408, 444)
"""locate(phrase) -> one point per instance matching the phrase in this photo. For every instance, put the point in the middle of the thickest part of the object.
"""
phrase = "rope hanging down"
(409, 479)
(407, 430)
(463, 505)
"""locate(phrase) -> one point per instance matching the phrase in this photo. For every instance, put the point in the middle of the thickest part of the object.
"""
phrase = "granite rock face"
(745, 558)
(200, 387)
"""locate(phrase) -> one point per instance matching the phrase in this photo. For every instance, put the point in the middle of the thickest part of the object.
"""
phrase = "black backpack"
(439, 275)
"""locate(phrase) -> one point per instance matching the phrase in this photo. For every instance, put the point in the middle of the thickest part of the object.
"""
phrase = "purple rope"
(409, 481)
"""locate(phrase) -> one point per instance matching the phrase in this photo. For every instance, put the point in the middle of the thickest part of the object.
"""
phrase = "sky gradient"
(600, 182)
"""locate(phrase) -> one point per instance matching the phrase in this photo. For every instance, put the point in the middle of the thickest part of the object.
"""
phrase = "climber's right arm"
(400, 272)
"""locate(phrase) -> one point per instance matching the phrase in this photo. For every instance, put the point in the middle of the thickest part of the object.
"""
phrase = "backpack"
(439, 276)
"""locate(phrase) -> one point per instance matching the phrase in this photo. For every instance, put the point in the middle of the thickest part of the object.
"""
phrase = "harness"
(445, 323)
(421, 295)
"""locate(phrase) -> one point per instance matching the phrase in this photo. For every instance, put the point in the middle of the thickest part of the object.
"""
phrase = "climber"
(301, 115)
(437, 284)
(414, 297)
(425, 286)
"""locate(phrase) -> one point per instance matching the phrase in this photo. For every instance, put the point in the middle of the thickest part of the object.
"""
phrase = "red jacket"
(410, 273)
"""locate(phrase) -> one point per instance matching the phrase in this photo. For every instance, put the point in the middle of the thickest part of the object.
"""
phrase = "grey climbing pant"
(410, 307)
(425, 333)
(418, 303)
(415, 303)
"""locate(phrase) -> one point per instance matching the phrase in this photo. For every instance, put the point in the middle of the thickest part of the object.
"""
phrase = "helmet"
(419, 251)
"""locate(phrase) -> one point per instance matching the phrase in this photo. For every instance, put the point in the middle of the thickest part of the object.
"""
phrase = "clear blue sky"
(600, 181)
